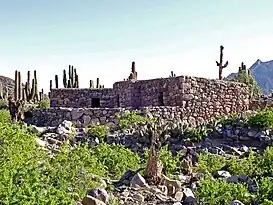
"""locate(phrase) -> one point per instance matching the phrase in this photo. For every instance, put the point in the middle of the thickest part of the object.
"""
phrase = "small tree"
(244, 76)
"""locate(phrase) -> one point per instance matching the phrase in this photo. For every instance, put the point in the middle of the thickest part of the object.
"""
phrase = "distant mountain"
(8, 83)
(263, 73)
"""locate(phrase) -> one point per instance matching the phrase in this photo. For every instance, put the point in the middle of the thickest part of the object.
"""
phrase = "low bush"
(44, 104)
(116, 159)
(29, 176)
(256, 166)
(3, 104)
(127, 119)
(99, 131)
(262, 119)
(218, 191)
(196, 134)
(4, 116)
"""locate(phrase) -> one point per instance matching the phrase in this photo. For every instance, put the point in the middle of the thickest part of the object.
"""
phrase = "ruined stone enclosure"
(200, 97)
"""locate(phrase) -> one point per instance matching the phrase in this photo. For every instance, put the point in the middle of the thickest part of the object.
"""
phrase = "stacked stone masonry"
(174, 91)
(190, 99)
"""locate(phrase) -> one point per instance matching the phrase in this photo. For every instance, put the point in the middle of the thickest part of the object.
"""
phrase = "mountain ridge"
(263, 74)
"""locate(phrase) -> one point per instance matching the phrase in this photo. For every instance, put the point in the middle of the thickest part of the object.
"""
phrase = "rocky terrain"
(229, 137)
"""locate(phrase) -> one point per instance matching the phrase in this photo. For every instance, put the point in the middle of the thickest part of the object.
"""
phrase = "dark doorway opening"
(95, 102)
(118, 101)
(160, 99)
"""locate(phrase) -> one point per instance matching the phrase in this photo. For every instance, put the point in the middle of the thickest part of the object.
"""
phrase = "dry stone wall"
(84, 116)
(182, 91)
(190, 99)
(77, 98)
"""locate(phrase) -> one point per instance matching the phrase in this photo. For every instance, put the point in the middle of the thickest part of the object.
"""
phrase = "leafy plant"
(127, 119)
(3, 104)
(4, 116)
(44, 104)
(99, 131)
(196, 134)
(245, 76)
(210, 162)
(116, 158)
(220, 192)
(262, 119)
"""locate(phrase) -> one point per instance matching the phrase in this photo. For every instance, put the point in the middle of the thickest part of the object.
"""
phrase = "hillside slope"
(263, 73)
(7, 82)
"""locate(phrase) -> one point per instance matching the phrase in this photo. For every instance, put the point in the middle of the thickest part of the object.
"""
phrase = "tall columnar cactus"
(73, 78)
(56, 81)
(16, 86)
(64, 79)
(19, 86)
(98, 83)
(26, 92)
(220, 64)
(91, 84)
(27, 87)
(133, 74)
(1, 92)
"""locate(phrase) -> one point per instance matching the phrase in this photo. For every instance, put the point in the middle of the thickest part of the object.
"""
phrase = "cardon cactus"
(73, 78)
(220, 64)
(56, 81)
(25, 92)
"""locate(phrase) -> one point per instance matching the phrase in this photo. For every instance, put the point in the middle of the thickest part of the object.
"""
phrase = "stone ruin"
(193, 100)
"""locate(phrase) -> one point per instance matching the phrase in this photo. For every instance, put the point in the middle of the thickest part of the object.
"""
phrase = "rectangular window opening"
(95, 102)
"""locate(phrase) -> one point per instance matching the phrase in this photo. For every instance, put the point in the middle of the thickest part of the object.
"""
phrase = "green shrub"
(264, 165)
(196, 134)
(3, 104)
(116, 159)
(210, 162)
(266, 190)
(220, 192)
(262, 119)
(244, 166)
(4, 116)
(44, 104)
(29, 176)
(127, 119)
(99, 131)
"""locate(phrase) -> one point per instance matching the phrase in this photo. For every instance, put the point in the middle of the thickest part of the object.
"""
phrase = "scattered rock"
(222, 174)
(179, 196)
(99, 194)
(89, 200)
(138, 181)
(41, 142)
(38, 130)
(189, 197)
(236, 202)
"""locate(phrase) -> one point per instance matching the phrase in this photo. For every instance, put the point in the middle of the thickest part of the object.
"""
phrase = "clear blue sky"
(102, 38)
